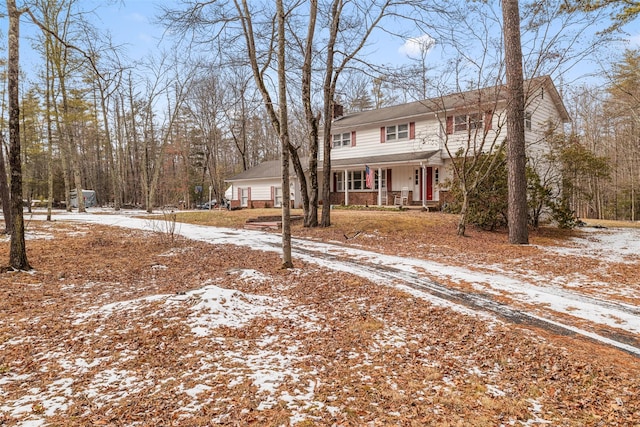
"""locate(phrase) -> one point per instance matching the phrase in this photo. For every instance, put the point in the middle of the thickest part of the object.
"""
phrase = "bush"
(488, 201)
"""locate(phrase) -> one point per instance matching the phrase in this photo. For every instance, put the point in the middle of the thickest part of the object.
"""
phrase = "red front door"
(429, 183)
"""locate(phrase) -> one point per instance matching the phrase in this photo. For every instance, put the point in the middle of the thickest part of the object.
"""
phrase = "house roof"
(481, 98)
(382, 160)
(265, 170)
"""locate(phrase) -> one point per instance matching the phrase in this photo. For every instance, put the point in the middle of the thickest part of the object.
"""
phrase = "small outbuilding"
(89, 197)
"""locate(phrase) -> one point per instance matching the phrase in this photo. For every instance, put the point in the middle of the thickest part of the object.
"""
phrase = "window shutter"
(273, 194)
(389, 188)
(249, 193)
(383, 133)
(449, 125)
(412, 130)
(353, 138)
(335, 182)
(240, 194)
(488, 118)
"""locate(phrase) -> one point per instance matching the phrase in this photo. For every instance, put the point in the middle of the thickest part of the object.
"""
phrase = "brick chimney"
(338, 110)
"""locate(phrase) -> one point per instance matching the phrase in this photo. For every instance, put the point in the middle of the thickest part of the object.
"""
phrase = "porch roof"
(384, 160)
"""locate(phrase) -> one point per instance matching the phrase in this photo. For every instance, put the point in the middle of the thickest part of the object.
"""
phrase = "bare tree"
(17, 250)
(172, 90)
(284, 138)
(623, 11)
(5, 195)
(342, 27)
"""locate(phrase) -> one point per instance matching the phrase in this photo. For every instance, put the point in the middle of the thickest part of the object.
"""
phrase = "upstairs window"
(527, 120)
(341, 140)
(397, 132)
(470, 122)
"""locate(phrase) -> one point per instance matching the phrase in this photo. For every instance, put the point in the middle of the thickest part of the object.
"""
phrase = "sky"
(133, 25)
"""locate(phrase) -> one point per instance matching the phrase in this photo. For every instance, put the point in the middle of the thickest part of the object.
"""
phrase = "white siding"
(260, 190)
(427, 138)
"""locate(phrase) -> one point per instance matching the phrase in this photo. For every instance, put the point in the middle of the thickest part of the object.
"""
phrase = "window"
(357, 180)
(277, 196)
(527, 120)
(341, 140)
(383, 180)
(339, 181)
(460, 123)
(475, 121)
(397, 132)
(468, 121)
(244, 197)
(436, 175)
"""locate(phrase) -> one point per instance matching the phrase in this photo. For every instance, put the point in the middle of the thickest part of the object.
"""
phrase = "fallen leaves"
(108, 334)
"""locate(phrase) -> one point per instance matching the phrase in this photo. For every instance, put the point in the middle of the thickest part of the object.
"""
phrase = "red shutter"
(389, 188)
(353, 138)
(412, 130)
(240, 195)
(488, 116)
(449, 125)
(249, 193)
(273, 194)
(383, 134)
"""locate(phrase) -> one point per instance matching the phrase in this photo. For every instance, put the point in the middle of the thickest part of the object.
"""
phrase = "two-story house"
(401, 154)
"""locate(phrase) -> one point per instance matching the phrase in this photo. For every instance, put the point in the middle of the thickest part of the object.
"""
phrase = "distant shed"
(89, 197)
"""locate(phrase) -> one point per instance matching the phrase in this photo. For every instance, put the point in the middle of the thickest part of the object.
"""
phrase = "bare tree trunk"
(329, 91)
(67, 135)
(48, 95)
(111, 163)
(18, 250)
(464, 211)
(4, 190)
(132, 136)
(516, 157)
(284, 140)
(311, 204)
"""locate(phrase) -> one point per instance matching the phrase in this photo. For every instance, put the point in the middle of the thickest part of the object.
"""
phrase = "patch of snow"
(494, 391)
(197, 389)
(217, 306)
(249, 275)
(613, 245)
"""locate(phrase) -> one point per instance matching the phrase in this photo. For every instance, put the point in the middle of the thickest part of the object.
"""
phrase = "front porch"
(372, 198)
(405, 179)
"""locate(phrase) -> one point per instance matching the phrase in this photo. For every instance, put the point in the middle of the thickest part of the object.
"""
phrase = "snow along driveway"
(548, 306)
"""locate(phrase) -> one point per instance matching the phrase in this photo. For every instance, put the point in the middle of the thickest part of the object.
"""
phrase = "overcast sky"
(133, 24)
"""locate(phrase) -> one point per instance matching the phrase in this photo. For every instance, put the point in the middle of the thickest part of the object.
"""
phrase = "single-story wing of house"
(401, 155)
(261, 187)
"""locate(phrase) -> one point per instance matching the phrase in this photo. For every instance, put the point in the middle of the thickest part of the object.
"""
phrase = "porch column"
(346, 188)
(379, 186)
(424, 185)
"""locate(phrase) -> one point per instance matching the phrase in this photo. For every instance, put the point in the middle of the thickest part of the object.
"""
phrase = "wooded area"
(161, 132)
